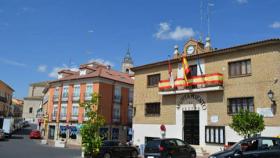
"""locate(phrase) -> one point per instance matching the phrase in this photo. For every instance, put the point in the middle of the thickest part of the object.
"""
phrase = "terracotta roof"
(212, 53)
(98, 71)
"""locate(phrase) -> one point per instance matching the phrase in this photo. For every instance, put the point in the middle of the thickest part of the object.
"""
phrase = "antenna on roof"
(201, 20)
(208, 40)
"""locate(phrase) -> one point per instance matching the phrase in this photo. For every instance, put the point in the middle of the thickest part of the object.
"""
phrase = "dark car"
(169, 148)
(115, 149)
(258, 147)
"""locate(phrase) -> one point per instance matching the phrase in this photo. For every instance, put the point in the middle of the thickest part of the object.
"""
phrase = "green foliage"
(247, 123)
(91, 140)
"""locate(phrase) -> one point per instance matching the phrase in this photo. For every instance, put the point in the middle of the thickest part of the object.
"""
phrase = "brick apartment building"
(74, 87)
(220, 83)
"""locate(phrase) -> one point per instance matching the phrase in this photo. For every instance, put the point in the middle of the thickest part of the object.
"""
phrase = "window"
(215, 134)
(75, 111)
(116, 112)
(237, 104)
(240, 68)
(152, 109)
(63, 111)
(65, 92)
(249, 145)
(54, 111)
(77, 91)
(193, 71)
(180, 143)
(270, 144)
(117, 94)
(89, 90)
(153, 80)
(30, 110)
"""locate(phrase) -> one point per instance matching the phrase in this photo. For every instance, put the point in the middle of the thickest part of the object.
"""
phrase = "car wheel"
(193, 155)
(134, 154)
(107, 155)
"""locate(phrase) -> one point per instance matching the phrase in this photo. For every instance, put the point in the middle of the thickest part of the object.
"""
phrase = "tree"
(247, 123)
(91, 139)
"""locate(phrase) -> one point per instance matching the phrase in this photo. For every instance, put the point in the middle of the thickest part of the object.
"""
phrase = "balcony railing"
(55, 98)
(63, 116)
(74, 117)
(65, 97)
(202, 81)
(76, 97)
(88, 96)
(116, 118)
(117, 98)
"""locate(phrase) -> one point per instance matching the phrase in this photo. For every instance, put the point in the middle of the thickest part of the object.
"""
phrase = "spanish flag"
(185, 67)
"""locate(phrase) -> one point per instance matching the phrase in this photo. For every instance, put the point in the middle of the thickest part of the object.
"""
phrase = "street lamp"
(270, 95)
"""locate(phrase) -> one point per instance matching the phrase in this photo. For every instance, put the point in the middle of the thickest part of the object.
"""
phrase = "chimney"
(176, 53)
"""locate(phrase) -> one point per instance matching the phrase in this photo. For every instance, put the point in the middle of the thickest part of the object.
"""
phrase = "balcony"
(63, 116)
(76, 97)
(117, 98)
(65, 97)
(55, 98)
(195, 84)
(74, 117)
(53, 116)
(88, 96)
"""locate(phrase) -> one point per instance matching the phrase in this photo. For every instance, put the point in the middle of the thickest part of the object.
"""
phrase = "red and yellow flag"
(185, 66)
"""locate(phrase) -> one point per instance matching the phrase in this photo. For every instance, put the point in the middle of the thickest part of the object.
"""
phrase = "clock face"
(190, 50)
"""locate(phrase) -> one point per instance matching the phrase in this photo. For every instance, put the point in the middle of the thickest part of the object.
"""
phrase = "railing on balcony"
(54, 116)
(65, 97)
(74, 117)
(76, 97)
(88, 96)
(202, 81)
(55, 98)
(63, 116)
(117, 98)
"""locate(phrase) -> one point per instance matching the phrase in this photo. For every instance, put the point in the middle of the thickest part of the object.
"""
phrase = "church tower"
(127, 63)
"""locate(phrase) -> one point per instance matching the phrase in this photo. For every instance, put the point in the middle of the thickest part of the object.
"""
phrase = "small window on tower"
(127, 70)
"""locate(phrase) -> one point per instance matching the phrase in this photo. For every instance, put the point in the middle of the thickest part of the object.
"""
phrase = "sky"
(40, 37)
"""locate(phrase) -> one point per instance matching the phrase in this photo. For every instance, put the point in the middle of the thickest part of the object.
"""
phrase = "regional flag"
(185, 66)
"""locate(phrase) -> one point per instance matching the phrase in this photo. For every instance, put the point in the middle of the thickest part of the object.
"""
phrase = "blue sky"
(38, 37)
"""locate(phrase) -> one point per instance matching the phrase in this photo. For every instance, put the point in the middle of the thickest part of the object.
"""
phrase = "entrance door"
(191, 127)
(51, 132)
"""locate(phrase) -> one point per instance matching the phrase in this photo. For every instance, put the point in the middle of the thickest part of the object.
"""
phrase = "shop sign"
(184, 99)
(265, 112)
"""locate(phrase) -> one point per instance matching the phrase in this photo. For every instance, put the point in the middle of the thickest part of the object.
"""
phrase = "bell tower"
(127, 63)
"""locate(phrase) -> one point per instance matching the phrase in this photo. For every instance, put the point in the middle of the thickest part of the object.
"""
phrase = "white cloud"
(275, 25)
(42, 68)
(101, 61)
(12, 62)
(242, 1)
(90, 31)
(164, 32)
(55, 70)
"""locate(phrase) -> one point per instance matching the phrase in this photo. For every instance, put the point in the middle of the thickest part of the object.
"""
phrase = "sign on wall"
(265, 112)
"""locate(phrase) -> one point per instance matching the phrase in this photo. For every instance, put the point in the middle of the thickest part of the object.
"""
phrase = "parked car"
(25, 124)
(258, 147)
(169, 148)
(35, 134)
(115, 149)
(2, 134)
